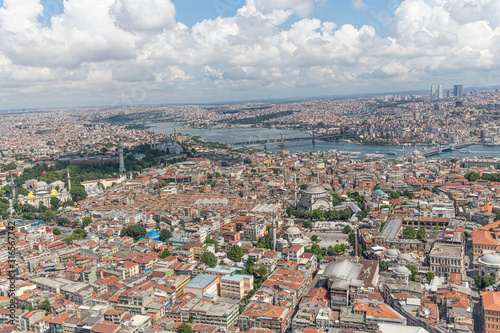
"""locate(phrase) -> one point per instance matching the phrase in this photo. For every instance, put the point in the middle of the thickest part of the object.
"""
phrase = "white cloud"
(300, 7)
(358, 4)
(143, 15)
(101, 49)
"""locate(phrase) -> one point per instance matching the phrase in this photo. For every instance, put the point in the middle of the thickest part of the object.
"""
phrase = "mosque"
(168, 145)
(315, 197)
(41, 192)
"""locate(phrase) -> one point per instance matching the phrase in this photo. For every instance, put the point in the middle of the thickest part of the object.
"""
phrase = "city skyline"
(121, 52)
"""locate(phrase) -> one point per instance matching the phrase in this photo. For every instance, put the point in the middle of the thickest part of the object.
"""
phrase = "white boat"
(391, 153)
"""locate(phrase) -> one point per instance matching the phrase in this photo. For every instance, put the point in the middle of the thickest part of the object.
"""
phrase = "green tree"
(135, 231)
(482, 281)
(235, 253)
(429, 276)
(472, 176)
(62, 221)
(383, 265)
(421, 233)
(317, 215)
(164, 254)
(262, 272)
(184, 328)
(48, 214)
(250, 266)
(56, 231)
(303, 187)
(78, 193)
(347, 229)
(45, 305)
(307, 223)
(314, 238)
(54, 203)
(409, 233)
(86, 221)
(414, 271)
(212, 241)
(436, 227)
(164, 235)
(209, 259)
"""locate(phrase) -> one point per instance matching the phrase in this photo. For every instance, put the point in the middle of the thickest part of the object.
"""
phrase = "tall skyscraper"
(121, 170)
(458, 90)
(433, 91)
(440, 91)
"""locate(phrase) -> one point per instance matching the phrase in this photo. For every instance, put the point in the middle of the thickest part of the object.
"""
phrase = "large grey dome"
(315, 189)
(293, 231)
(402, 270)
(405, 256)
(392, 253)
(490, 259)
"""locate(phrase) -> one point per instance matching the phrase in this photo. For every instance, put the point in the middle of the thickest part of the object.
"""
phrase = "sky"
(62, 53)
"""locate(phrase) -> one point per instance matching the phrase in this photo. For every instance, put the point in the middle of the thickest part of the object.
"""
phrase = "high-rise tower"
(440, 91)
(458, 90)
(433, 91)
(122, 162)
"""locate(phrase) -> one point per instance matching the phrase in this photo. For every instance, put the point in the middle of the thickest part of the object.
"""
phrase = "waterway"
(230, 135)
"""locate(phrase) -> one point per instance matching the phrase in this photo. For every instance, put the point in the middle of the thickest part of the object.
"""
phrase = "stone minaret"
(69, 180)
(122, 162)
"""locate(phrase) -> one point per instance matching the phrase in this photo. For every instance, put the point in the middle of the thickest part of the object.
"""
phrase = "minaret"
(69, 180)
(295, 189)
(122, 162)
(274, 232)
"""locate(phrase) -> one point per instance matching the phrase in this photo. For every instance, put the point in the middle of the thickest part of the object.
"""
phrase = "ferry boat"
(391, 153)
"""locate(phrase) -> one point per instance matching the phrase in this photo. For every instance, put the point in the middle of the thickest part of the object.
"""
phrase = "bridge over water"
(283, 140)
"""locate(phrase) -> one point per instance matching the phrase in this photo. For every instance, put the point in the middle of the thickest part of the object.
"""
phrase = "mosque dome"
(392, 254)
(490, 259)
(315, 189)
(402, 270)
(405, 256)
(293, 231)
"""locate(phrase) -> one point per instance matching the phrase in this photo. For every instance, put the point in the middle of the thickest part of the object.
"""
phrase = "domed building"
(489, 264)
(416, 156)
(315, 197)
(168, 145)
(402, 274)
(292, 233)
(41, 192)
(405, 257)
(392, 254)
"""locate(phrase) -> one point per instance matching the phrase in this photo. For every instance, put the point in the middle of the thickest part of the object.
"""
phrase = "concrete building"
(446, 258)
(490, 310)
(236, 286)
(203, 285)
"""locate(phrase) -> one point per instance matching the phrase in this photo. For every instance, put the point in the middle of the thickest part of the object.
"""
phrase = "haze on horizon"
(114, 52)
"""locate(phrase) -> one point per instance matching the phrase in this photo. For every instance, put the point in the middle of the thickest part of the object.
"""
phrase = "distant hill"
(117, 119)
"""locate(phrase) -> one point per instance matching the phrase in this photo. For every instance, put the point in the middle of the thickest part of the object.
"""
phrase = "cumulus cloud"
(120, 47)
(143, 15)
(358, 4)
(300, 7)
